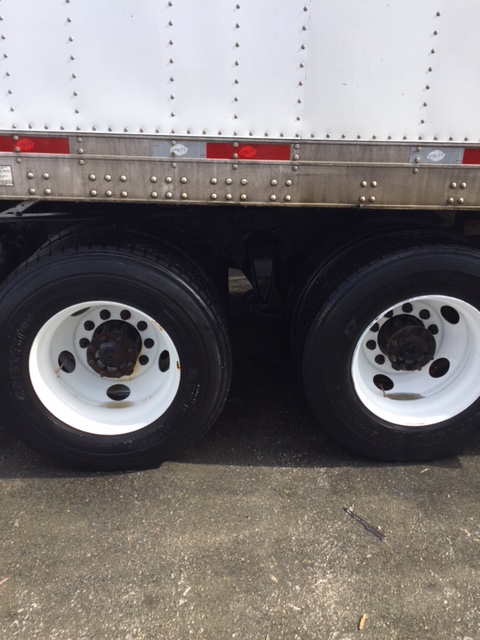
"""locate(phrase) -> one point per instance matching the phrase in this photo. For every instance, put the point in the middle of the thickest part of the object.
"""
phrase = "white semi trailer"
(328, 148)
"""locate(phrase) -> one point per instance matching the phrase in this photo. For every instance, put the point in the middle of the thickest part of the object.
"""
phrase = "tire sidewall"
(164, 297)
(330, 346)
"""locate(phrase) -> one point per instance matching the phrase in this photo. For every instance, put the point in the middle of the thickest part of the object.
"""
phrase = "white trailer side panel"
(311, 69)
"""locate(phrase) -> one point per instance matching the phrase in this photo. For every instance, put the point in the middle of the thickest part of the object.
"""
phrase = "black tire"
(338, 372)
(179, 305)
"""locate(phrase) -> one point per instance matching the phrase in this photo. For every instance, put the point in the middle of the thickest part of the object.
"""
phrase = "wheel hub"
(407, 343)
(114, 349)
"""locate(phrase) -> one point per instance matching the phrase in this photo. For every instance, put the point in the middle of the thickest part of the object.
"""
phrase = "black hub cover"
(114, 349)
(407, 343)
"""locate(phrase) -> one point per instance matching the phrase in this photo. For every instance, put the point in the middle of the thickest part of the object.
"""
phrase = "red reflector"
(226, 151)
(34, 145)
(471, 156)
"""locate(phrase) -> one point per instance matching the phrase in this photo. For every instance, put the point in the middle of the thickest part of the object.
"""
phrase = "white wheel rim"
(83, 399)
(417, 398)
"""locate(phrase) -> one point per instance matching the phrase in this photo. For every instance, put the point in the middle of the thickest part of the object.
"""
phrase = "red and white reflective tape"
(34, 144)
(471, 156)
(227, 151)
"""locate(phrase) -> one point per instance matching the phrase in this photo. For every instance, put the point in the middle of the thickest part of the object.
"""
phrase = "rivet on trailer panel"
(295, 168)
(362, 199)
(235, 167)
(213, 196)
(374, 184)
(80, 150)
(124, 194)
(108, 193)
(466, 139)
(93, 192)
(46, 176)
(415, 170)
(273, 197)
(288, 183)
(228, 196)
(228, 181)
(168, 179)
(174, 165)
(123, 178)
(296, 157)
(30, 175)
(243, 196)
(244, 181)
(31, 191)
(363, 183)
(460, 200)
(235, 156)
(48, 192)
(108, 178)
(16, 149)
(81, 162)
(463, 185)
(274, 182)
(213, 181)
(153, 179)
(154, 194)
(450, 201)
(92, 177)
(288, 198)
(169, 195)
(183, 180)
(125, 130)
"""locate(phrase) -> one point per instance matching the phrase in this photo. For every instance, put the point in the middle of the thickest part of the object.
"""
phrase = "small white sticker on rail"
(6, 176)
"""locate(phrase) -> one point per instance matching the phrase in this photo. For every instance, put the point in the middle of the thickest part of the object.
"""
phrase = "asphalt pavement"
(264, 530)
